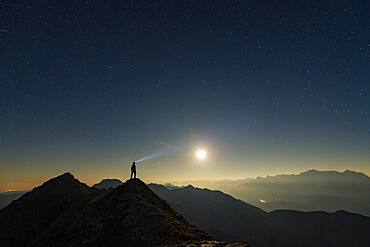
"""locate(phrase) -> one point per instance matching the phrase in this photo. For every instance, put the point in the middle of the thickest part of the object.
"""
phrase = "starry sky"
(266, 87)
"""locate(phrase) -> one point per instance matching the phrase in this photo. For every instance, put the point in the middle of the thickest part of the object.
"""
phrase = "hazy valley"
(308, 191)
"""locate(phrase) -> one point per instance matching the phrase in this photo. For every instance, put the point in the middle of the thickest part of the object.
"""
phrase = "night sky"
(266, 87)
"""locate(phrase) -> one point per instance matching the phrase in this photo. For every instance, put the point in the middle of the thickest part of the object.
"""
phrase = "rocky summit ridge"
(66, 212)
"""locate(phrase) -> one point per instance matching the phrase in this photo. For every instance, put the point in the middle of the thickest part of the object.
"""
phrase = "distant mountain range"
(308, 191)
(66, 212)
(8, 197)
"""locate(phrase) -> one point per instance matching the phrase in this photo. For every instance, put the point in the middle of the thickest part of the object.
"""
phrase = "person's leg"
(135, 174)
(131, 174)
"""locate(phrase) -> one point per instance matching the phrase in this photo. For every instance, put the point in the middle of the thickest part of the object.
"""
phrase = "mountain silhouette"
(227, 218)
(311, 190)
(66, 212)
(26, 217)
(219, 214)
(341, 228)
(7, 197)
(108, 183)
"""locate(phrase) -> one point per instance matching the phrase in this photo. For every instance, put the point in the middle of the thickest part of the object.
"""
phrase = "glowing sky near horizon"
(268, 87)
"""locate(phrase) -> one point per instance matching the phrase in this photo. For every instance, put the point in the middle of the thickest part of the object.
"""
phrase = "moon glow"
(200, 154)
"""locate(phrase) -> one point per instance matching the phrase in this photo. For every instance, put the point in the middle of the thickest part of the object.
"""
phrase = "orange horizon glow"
(28, 185)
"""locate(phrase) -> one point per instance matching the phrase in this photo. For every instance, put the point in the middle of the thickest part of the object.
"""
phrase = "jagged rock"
(65, 212)
(213, 243)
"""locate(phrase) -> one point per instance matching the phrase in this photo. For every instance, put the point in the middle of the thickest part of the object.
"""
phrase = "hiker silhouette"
(133, 169)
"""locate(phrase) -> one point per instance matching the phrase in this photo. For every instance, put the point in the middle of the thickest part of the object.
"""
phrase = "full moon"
(200, 154)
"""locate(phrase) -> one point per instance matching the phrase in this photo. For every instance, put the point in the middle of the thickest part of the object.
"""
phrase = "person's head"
(133, 163)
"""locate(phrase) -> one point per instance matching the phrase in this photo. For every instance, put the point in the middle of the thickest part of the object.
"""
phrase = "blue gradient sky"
(266, 87)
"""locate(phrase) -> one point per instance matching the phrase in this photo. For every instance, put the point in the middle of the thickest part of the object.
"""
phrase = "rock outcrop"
(65, 212)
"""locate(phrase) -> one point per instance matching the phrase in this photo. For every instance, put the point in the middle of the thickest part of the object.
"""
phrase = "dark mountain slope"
(108, 183)
(227, 218)
(65, 212)
(219, 214)
(130, 215)
(29, 215)
(294, 228)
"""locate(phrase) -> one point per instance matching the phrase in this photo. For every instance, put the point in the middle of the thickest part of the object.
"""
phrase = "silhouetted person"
(133, 169)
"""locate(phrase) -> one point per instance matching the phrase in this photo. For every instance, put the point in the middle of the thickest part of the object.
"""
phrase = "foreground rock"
(65, 212)
(213, 243)
(27, 217)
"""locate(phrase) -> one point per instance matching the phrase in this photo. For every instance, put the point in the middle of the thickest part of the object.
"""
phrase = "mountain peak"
(34, 211)
(134, 185)
(311, 171)
(108, 183)
(64, 184)
(346, 173)
(68, 212)
(355, 173)
(64, 176)
(189, 186)
(130, 213)
(136, 181)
